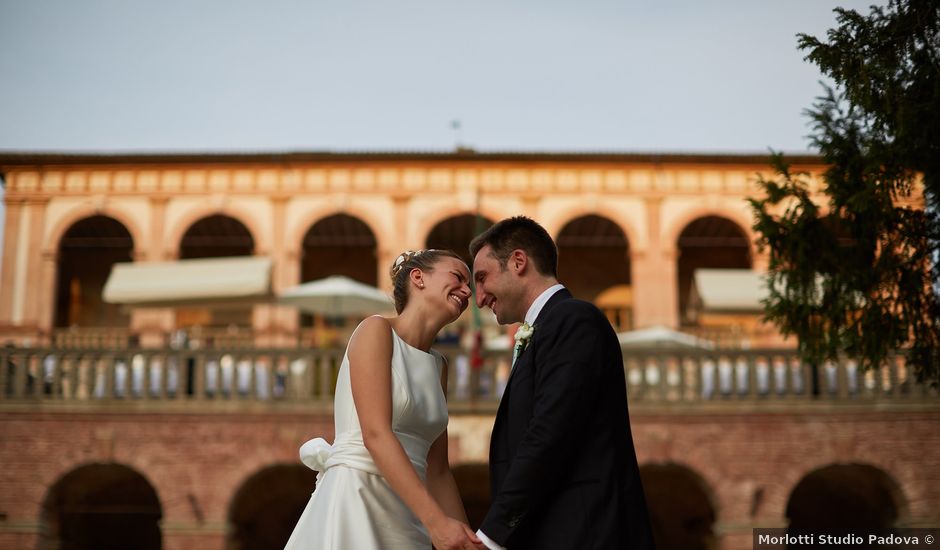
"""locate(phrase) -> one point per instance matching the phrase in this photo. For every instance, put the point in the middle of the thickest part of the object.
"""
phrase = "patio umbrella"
(336, 295)
(661, 337)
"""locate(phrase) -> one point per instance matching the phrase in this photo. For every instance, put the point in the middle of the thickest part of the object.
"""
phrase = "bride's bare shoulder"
(373, 330)
(374, 322)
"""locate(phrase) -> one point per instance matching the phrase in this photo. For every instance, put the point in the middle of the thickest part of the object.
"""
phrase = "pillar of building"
(388, 247)
(654, 277)
(274, 325)
(761, 262)
(284, 329)
(153, 325)
(11, 236)
(39, 280)
(655, 288)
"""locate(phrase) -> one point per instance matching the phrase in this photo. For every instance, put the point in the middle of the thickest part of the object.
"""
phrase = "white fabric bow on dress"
(315, 453)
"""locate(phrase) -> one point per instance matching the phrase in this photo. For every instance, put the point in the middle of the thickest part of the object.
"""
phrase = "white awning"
(204, 280)
(737, 290)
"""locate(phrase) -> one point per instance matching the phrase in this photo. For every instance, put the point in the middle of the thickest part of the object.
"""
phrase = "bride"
(385, 481)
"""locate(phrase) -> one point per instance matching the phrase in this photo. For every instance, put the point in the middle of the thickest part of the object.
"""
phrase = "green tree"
(855, 271)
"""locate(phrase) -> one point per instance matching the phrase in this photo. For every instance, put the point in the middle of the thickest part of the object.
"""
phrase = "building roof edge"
(13, 159)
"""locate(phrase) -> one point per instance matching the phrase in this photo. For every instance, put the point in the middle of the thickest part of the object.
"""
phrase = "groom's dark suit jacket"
(563, 468)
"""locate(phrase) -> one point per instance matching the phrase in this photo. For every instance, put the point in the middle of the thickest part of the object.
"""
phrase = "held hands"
(450, 534)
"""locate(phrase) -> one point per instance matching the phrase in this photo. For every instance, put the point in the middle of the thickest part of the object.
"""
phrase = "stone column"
(276, 326)
(390, 247)
(288, 276)
(39, 282)
(152, 325)
(285, 274)
(655, 290)
(157, 228)
(11, 233)
(761, 261)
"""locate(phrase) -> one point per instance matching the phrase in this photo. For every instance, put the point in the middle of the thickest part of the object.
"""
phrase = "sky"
(281, 75)
(368, 75)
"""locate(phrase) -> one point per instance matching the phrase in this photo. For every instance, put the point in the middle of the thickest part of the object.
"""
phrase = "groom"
(563, 469)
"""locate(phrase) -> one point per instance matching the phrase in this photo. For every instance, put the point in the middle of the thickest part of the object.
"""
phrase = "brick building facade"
(105, 416)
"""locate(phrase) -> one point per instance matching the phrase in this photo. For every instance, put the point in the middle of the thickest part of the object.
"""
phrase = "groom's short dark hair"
(516, 233)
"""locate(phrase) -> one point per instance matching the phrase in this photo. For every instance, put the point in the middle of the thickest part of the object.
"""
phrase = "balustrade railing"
(778, 375)
(308, 376)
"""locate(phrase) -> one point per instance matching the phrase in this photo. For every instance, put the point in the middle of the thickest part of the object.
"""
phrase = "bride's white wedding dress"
(353, 507)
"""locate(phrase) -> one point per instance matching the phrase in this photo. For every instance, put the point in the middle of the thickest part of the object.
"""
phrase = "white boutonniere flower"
(523, 335)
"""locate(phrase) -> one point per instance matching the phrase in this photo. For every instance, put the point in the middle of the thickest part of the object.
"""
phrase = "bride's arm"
(440, 478)
(370, 352)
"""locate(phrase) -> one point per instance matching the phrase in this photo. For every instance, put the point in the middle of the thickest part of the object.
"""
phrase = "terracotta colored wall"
(737, 452)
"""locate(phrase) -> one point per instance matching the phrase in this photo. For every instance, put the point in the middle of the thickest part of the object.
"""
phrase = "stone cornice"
(385, 178)
(37, 159)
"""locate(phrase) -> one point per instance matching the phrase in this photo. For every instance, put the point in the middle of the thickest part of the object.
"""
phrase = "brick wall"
(748, 460)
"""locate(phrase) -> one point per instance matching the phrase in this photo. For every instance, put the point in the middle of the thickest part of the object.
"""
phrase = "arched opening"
(336, 245)
(87, 252)
(473, 483)
(709, 242)
(845, 496)
(266, 507)
(216, 236)
(593, 256)
(456, 232)
(101, 506)
(681, 510)
(340, 245)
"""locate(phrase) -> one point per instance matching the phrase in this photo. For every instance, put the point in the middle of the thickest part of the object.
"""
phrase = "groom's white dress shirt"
(530, 318)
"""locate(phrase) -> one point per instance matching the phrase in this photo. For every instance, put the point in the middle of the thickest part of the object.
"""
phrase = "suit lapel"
(524, 356)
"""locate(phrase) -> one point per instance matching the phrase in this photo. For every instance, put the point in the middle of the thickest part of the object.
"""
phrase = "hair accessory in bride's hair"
(404, 258)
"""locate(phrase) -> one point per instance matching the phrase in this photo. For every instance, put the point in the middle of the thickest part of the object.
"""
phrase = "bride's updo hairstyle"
(409, 260)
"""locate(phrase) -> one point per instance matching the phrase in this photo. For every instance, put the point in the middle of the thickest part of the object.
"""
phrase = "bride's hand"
(450, 534)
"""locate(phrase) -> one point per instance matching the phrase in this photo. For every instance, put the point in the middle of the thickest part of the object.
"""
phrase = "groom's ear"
(518, 261)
